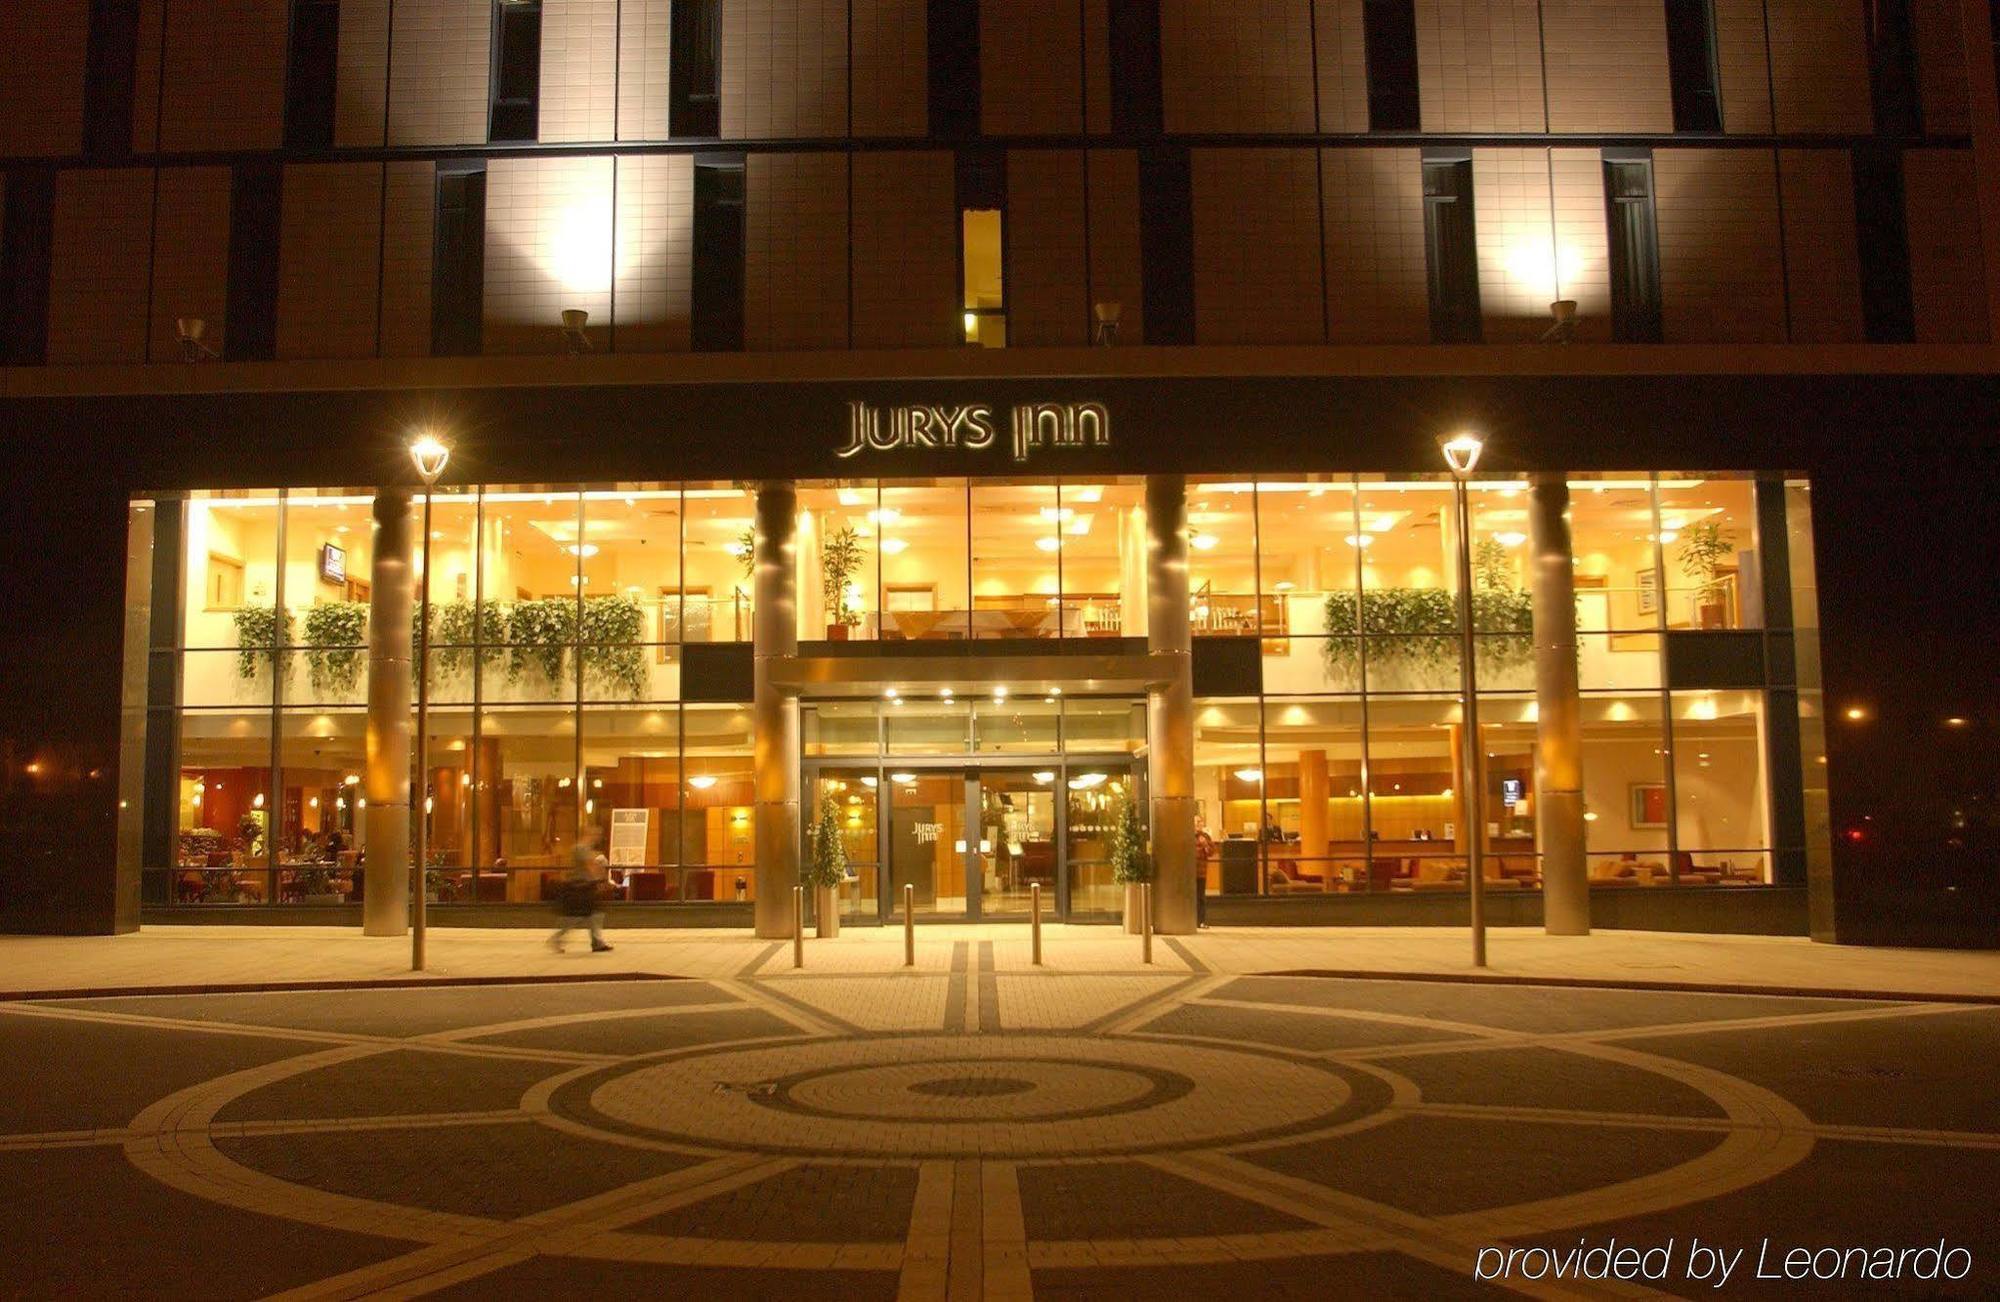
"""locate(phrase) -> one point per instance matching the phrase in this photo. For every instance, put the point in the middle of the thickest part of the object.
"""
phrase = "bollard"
(798, 926)
(909, 924)
(1146, 921)
(1035, 920)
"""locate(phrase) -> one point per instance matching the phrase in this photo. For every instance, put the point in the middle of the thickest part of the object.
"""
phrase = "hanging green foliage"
(336, 637)
(1419, 627)
(613, 660)
(452, 634)
(258, 633)
(541, 631)
(826, 854)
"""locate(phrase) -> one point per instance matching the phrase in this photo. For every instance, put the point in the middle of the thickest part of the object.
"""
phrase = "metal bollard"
(909, 924)
(798, 926)
(1146, 921)
(1035, 920)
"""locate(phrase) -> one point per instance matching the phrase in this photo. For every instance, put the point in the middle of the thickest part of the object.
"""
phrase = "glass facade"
(571, 697)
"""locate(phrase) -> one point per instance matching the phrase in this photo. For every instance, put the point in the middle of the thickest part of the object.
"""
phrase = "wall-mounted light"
(575, 341)
(702, 781)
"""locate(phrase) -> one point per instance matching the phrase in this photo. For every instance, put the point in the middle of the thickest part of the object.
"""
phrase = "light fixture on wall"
(1106, 317)
(575, 341)
(1250, 775)
(702, 781)
(1563, 322)
(190, 330)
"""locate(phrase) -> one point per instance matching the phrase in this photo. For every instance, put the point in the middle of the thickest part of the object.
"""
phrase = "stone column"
(1170, 708)
(385, 908)
(774, 631)
(1559, 724)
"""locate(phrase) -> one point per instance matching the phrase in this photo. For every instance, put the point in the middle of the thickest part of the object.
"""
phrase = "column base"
(1565, 874)
(1173, 865)
(777, 868)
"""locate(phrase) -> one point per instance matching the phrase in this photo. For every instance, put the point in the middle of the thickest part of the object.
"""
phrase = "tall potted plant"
(1704, 547)
(1131, 863)
(839, 562)
(826, 865)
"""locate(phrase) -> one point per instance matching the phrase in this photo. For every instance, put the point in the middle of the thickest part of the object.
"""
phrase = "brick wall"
(361, 62)
(1940, 42)
(439, 70)
(1822, 259)
(408, 233)
(1377, 274)
(1607, 65)
(1742, 74)
(579, 70)
(190, 258)
(1031, 67)
(41, 97)
(795, 255)
(1819, 65)
(1236, 65)
(1048, 290)
(1343, 65)
(1256, 246)
(1115, 275)
(548, 248)
(1479, 65)
(654, 259)
(645, 46)
(225, 85)
(329, 245)
(906, 290)
(1721, 268)
(97, 265)
(890, 82)
(784, 68)
(1945, 281)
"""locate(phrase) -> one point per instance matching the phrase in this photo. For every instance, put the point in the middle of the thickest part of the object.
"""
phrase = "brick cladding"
(795, 259)
(1257, 247)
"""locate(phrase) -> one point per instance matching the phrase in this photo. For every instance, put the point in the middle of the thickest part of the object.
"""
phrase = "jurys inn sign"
(973, 426)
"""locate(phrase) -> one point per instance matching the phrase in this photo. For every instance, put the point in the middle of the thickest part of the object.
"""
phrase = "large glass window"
(1708, 538)
(839, 550)
(1308, 569)
(717, 563)
(926, 564)
(1407, 537)
(1222, 559)
(1311, 777)
(1019, 531)
(1102, 526)
(718, 834)
(1721, 818)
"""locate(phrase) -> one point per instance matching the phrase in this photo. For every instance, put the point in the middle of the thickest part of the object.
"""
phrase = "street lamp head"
(430, 457)
(1461, 451)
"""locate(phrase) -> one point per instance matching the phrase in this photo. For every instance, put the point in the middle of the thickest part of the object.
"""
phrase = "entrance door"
(1017, 840)
(927, 841)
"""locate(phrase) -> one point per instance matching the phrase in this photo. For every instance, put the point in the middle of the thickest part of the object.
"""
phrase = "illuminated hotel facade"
(962, 423)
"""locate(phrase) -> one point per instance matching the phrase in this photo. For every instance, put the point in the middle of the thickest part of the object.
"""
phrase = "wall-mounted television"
(333, 563)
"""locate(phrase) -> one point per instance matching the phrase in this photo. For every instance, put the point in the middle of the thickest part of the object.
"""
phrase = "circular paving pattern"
(950, 1096)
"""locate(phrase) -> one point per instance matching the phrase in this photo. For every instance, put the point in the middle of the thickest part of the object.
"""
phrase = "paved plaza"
(976, 1126)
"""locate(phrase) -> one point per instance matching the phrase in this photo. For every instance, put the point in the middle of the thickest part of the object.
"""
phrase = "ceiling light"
(1510, 538)
(1250, 775)
(1049, 544)
(702, 781)
(907, 779)
(1055, 691)
(1360, 540)
(891, 693)
(1085, 781)
(585, 550)
(1205, 542)
(894, 546)
(1283, 585)
(1089, 496)
(944, 694)
(869, 783)
(1056, 513)
(1045, 777)
(886, 515)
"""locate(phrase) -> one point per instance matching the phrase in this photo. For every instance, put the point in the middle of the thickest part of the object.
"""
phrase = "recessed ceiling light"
(702, 781)
(1250, 775)
(1205, 542)
(1049, 544)
(894, 546)
(1361, 540)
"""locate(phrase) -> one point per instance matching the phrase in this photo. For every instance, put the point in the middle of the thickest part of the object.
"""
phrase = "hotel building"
(964, 423)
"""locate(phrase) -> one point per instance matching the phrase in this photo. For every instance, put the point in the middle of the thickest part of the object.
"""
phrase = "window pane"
(840, 728)
(1624, 789)
(839, 563)
(1617, 565)
(632, 798)
(226, 678)
(922, 528)
(928, 727)
(1416, 797)
(1708, 529)
(855, 801)
(1015, 727)
(1103, 530)
(1222, 558)
(1721, 818)
(1799, 530)
(450, 777)
(1097, 725)
(225, 807)
(320, 812)
(985, 295)
(1507, 724)
(718, 836)
(231, 572)
(1312, 773)
(717, 563)
(1018, 533)
(329, 537)
(1408, 566)
(529, 803)
(1228, 807)
(1096, 798)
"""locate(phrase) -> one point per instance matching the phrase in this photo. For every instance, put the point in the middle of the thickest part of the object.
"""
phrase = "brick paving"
(973, 1128)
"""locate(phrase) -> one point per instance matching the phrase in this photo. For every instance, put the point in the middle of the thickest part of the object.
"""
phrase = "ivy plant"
(541, 631)
(259, 630)
(613, 627)
(336, 633)
(452, 635)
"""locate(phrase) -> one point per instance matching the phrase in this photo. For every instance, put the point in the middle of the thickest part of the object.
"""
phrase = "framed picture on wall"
(1649, 591)
(1648, 804)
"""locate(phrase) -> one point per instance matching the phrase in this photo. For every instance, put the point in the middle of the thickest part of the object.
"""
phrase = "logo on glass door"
(971, 426)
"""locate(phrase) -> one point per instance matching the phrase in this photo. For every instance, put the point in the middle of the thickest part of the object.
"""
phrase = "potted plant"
(826, 865)
(1131, 862)
(1704, 547)
(839, 562)
(317, 885)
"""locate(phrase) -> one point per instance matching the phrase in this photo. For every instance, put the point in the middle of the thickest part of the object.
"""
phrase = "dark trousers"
(1201, 896)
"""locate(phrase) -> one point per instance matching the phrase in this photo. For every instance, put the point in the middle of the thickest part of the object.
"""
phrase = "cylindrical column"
(1472, 772)
(1170, 707)
(774, 626)
(386, 777)
(1558, 715)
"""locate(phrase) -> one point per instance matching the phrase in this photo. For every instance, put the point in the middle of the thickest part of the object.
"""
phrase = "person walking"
(581, 899)
(1204, 850)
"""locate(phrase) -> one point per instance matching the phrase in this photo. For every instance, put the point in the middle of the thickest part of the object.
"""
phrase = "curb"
(283, 987)
(1668, 987)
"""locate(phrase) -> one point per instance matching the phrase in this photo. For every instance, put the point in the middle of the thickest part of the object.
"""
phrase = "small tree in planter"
(839, 561)
(1131, 862)
(1704, 547)
(826, 865)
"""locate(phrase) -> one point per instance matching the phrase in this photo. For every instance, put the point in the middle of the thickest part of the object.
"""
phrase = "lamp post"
(429, 456)
(1461, 454)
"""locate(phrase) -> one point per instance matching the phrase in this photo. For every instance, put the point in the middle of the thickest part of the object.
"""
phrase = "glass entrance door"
(1017, 840)
(927, 847)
